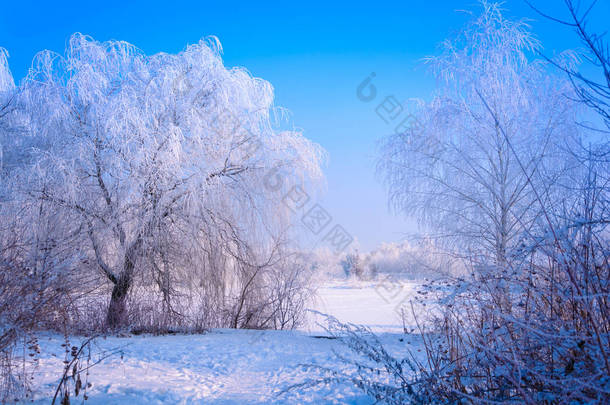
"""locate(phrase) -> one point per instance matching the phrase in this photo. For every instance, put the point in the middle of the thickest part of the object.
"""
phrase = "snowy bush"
(352, 265)
(371, 368)
(527, 214)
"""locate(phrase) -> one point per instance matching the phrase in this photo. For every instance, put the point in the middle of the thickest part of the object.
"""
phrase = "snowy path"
(224, 366)
(220, 367)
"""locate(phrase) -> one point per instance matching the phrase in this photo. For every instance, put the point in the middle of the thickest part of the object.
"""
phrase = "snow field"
(228, 366)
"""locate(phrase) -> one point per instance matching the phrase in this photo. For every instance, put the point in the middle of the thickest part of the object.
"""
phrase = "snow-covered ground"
(234, 366)
(375, 304)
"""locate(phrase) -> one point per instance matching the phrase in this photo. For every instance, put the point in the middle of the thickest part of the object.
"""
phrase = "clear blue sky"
(314, 53)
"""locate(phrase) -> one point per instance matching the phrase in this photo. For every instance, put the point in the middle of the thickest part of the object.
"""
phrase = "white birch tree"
(453, 169)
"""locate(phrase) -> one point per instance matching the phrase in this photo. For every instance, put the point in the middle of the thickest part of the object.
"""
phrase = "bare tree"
(452, 167)
(595, 93)
(550, 344)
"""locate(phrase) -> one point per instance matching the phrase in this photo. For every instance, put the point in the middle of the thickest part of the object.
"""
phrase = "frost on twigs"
(156, 165)
(498, 171)
(368, 366)
(455, 171)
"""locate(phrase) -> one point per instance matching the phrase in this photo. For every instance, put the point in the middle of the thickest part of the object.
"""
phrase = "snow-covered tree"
(158, 158)
(495, 163)
(454, 168)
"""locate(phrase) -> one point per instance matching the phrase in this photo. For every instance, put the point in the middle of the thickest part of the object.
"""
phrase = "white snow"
(375, 304)
(231, 366)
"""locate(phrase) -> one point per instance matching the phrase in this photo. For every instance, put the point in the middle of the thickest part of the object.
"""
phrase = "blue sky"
(314, 53)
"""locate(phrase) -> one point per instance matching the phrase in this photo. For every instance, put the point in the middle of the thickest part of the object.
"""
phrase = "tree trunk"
(117, 309)
(116, 316)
